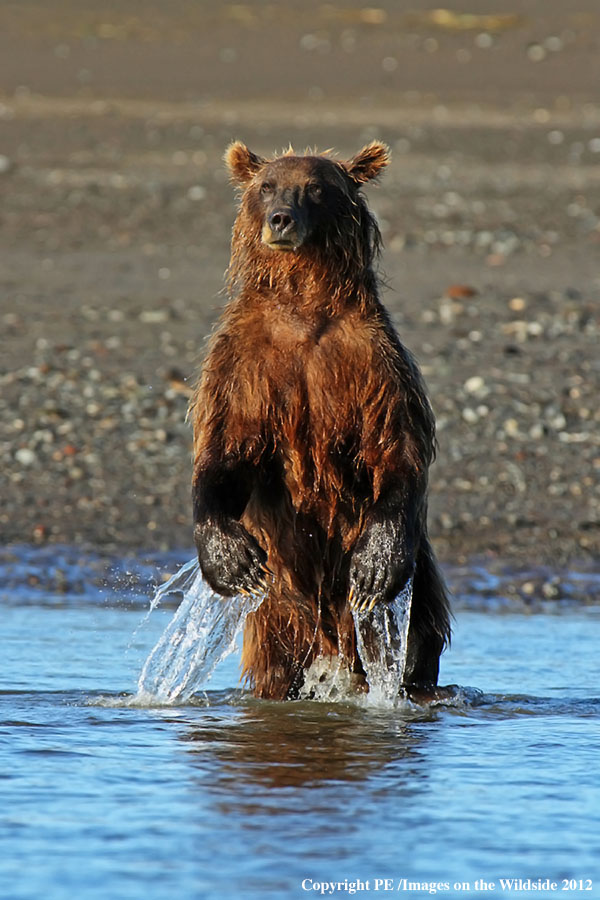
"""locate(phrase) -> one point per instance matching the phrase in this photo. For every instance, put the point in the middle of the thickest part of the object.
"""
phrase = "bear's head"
(308, 204)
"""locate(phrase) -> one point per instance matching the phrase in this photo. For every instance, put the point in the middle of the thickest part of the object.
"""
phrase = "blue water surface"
(227, 796)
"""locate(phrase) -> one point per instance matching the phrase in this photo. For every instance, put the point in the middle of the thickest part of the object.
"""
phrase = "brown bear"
(313, 433)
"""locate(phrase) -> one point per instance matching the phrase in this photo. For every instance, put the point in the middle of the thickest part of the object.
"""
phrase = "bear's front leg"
(231, 560)
(382, 560)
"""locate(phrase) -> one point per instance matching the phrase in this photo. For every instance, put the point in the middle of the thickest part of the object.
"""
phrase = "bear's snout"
(281, 221)
(284, 229)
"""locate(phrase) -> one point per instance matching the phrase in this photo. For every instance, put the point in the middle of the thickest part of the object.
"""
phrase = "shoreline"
(66, 574)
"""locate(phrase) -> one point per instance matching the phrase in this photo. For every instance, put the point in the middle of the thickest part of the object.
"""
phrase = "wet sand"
(116, 215)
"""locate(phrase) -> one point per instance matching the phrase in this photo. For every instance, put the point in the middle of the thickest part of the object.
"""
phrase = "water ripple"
(451, 699)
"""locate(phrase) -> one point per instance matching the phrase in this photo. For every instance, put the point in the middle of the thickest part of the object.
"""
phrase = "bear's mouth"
(282, 244)
(291, 240)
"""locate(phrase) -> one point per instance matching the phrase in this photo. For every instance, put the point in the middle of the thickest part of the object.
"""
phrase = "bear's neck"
(303, 283)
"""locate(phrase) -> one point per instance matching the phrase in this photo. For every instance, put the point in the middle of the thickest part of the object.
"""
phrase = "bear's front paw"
(231, 560)
(370, 583)
(379, 569)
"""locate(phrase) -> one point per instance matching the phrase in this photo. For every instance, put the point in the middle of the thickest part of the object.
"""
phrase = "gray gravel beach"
(116, 216)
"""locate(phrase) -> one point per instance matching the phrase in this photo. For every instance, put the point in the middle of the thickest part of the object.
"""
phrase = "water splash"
(205, 628)
(182, 580)
(202, 632)
(329, 680)
(381, 637)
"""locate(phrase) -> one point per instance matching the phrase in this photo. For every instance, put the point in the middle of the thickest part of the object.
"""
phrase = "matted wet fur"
(313, 434)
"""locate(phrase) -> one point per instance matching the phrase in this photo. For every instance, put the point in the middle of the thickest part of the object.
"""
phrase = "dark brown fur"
(313, 434)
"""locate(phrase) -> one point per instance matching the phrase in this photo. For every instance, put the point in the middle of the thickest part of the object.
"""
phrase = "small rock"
(40, 533)
(460, 291)
(196, 192)
(474, 385)
(153, 316)
(25, 456)
(484, 41)
(536, 53)
(517, 304)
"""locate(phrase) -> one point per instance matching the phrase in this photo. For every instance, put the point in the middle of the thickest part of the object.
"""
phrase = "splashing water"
(180, 581)
(202, 632)
(328, 680)
(381, 637)
(205, 628)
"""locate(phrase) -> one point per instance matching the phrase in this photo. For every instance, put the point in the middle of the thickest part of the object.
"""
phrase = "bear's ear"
(368, 163)
(242, 163)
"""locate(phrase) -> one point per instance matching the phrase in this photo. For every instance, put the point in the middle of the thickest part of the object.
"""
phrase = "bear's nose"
(281, 221)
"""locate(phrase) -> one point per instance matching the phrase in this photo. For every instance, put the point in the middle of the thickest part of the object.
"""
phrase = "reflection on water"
(290, 746)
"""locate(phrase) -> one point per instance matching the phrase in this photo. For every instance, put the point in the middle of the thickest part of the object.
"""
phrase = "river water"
(109, 797)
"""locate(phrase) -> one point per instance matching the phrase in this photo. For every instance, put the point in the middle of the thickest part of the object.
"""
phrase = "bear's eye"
(266, 188)
(315, 191)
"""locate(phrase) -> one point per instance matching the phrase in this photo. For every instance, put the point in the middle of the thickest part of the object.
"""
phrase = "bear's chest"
(312, 367)
(302, 395)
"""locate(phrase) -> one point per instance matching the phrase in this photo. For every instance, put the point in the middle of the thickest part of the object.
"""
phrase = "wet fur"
(313, 434)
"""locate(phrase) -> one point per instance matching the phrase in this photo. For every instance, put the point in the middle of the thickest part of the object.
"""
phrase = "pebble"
(484, 40)
(154, 316)
(474, 385)
(470, 415)
(196, 192)
(25, 457)
(517, 304)
(536, 52)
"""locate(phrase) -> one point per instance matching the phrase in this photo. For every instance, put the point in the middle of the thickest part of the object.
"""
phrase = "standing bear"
(313, 433)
